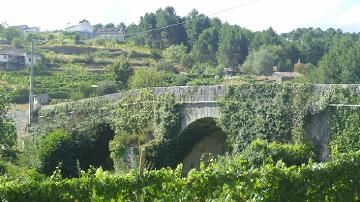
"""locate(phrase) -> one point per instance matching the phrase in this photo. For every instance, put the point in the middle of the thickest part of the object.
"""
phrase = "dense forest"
(329, 56)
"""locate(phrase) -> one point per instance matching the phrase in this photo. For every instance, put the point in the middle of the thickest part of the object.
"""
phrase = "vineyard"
(225, 180)
(59, 85)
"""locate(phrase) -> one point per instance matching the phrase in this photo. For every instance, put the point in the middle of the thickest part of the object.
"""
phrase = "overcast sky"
(282, 15)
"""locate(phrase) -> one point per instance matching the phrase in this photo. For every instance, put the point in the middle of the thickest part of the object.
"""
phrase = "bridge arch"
(201, 138)
(193, 111)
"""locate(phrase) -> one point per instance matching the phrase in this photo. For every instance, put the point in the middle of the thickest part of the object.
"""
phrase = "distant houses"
(83, 28)
(41, 99)
(110, 33)
(285, 76)
(86, 30)
(27, 29)
(15, 59)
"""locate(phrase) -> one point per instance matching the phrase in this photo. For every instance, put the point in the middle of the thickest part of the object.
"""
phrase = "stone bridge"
(199, 109)
(195, 102)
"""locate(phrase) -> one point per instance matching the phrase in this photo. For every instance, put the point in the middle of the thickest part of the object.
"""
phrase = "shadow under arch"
(201, 139)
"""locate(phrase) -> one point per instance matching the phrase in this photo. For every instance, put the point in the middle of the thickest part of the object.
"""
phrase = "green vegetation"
(260, 152)
(271, 154)
(7, 127)
(227, 179)
(76, 151)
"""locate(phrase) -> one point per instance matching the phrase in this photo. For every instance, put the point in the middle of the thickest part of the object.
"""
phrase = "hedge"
(230, 180)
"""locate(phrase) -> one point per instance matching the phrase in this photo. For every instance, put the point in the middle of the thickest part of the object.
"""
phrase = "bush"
(122, 72)
(205, 81)
(78, 150)
(76, 96)
(166, 66)
(106, 87)
(146, 77)
(226, 180)
(57, 149)
(59, 95)
(345, 136)
(260, 152)
(21, 95)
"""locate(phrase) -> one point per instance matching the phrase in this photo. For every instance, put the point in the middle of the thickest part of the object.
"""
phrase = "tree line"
(213, 45)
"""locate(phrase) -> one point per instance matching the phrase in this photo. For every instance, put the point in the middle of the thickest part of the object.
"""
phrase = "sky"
(281, 15)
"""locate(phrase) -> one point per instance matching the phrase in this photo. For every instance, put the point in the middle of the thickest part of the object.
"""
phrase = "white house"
(27, 29)
(28, 59)
(110, 33)
(41, 99)
(84, 29)
(15, 59)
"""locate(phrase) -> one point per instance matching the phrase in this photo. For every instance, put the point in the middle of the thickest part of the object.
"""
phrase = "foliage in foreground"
(261, 152)
(77, 150)
(229, 179)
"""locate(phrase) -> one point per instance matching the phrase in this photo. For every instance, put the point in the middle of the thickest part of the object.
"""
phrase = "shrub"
(229, 180)
(166, 66)
(57, 148)
(260, 152)
(122, 72)
(146, 77)
(106, 87)
(78, 150)
(76, 96)
(205, 81)
(21, 95)
(345, 136)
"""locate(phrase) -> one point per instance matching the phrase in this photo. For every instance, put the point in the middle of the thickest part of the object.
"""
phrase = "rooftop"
(108, 31)
(287, 74)
(12, 51)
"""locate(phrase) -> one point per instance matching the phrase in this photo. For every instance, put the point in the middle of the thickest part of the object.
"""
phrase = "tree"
(267, 37)
(146, 77)
(2, 28)
(233, 46)
(122, 72)
(98, 26)
(260, 62)
(171, 35)
(342, 63)
(57, 148)
(176, 55)
(195, 25)
(162, 38)
(11, 33)
(206, 47)
(79, 149)
(110, 25)
(18, 42)
(122, 26)
(84, 21)
(7, 127)
(77, 38)
(135, 35)
(148, 22)
(106, 87)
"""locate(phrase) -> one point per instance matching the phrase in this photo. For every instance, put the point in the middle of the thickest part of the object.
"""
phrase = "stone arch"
(193, 111)
(203, 138)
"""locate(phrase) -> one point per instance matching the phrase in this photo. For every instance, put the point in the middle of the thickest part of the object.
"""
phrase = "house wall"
(84, 27)
(3, 58)
(118, 37)
(32, 30)
(41, 99)
(28, 59)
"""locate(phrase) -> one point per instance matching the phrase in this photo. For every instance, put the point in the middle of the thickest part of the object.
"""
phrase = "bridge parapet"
(181, 93)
